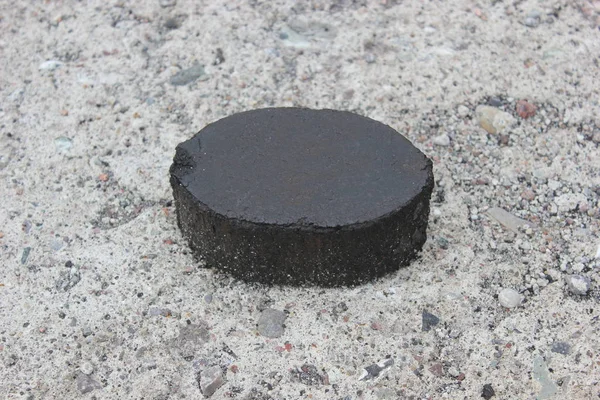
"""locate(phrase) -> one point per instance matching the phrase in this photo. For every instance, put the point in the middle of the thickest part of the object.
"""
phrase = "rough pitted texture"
(89, 242)
(294, 196)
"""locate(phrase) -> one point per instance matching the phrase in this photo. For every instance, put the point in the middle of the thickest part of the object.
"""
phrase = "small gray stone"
(63, 144)
(532, 22)
(167, 3)
(532, 19)
(442, 140)
(488, 391)
(87, 384)
(86, 368)
(509, 298)
(157, 311)
(210, 380)
(50, 65)
(270, 323)
(86, 331)
(429, 321)
(25, 255)
(495, 102)
(57, 244)
(541, 374)
(370, 58)
(569, 201)
(507, 220)
(443, 242)
(561, 347)
(191, 339)
(172, 23)
(291, 38)
(189, 75)
(578, 284)
(463, 111)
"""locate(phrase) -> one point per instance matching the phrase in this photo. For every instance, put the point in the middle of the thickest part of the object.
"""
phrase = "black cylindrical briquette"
(298, 196)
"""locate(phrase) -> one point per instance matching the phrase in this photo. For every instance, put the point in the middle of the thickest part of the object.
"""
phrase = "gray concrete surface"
(100, 298)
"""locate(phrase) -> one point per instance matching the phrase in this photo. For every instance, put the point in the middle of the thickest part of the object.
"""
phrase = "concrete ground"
(101, 299)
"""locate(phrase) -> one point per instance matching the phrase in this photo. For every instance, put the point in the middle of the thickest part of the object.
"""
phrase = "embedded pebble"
(532, 19)
(291, 38)
(507, 219)
(442, 140)
(57, 244)
(210, 380)
(170, 23)
(525, 109)
(532, 22)
(463, 111)
(370, 58)
(509, 298)
(189, 75)
(493, 120)
(488, 391)
(63, 143)
(569, 201)
(428, 321)
(578, 284)
(270, 323)
(453, 372)
(561, 348)
(191, 339)
(86, 384)
(86, 368)
(541, 374)
(50, 65)
(157, 311)
(25, 255)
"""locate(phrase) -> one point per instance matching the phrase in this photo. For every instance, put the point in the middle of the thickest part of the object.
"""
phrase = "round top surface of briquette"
(301, 167)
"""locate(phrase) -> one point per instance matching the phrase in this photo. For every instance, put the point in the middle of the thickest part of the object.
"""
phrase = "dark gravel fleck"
(25, 255)
(488, 391)
(429, 321)
(495, 102)
(171, 23)
(374, 370)
(308, 374)
(561, 347)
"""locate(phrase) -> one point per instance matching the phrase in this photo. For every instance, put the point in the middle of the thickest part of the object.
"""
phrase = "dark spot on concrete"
(429, 321)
